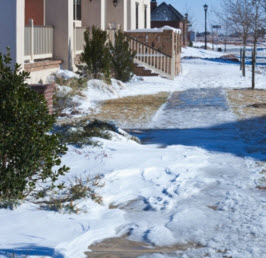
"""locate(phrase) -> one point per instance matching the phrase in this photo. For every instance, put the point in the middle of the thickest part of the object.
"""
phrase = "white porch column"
(12, 26)
(125, 12)
(44, 12)
(103, 14)
(59, 14)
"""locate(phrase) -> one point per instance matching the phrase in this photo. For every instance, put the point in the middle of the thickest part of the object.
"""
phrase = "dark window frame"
(145, 16)
(77, 10)
(137, 15)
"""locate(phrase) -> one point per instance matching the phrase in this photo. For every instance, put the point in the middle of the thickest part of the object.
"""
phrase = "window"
(77, 10)
(145, 16)
(137, 15)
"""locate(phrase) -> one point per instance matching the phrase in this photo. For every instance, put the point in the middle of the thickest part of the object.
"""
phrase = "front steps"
(140, 70)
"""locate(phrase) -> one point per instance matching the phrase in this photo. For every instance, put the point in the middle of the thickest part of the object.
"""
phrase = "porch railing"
(38, 42)
(79, 40)
(153, 59)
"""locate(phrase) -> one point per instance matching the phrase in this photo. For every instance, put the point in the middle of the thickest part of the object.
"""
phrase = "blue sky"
(195, 8)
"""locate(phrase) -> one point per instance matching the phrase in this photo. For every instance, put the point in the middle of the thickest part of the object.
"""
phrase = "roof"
(166, 12)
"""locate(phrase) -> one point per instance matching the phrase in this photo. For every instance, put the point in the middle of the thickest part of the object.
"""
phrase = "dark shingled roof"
(165, 12)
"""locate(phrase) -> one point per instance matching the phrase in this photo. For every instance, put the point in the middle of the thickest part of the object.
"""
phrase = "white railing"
(38, 42)
(79, 40)
(153, 59)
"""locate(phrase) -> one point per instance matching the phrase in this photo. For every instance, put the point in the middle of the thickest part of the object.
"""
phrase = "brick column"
(47, 90)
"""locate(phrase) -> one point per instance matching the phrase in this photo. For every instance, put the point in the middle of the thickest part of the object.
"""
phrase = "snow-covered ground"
(193, 182)
(200, 68)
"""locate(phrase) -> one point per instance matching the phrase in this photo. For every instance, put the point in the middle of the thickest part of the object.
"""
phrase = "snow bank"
(199, 53)
(65, 74)
(81, 102)
(158, 29)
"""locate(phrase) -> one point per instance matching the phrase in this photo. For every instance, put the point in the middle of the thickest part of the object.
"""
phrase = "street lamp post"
(205, 9)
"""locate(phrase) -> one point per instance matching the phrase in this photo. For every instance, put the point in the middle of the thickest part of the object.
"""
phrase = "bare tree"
(191, 18)
(237, 15)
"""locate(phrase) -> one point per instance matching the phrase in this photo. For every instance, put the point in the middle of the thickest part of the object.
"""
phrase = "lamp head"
(115, 2)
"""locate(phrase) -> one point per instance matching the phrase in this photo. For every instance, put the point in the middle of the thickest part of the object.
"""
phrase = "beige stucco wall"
(43, 75)
(12, 17)
(102, 13)
(115, 15)
(59, 14)
(91, 13)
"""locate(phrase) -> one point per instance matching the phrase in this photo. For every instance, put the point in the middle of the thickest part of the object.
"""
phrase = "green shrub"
(122, 58)
(28, 152)
(95, 58)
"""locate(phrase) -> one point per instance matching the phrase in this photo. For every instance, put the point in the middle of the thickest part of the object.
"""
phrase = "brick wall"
(42, 65)
(47, 90)
(183, 26)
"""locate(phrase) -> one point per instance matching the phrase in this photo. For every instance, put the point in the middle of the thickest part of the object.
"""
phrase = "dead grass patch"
(248, 103)
(122, 247)
(127, 112)
(131, 111)
(213, 207)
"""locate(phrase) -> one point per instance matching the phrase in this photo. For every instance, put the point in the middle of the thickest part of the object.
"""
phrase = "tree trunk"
(254, 54)
(253, 69)
(225, 45)
(244, 62)
(241, 56)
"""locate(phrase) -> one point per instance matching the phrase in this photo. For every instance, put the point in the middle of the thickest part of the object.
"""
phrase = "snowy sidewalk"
(203, 194)
(192, 184)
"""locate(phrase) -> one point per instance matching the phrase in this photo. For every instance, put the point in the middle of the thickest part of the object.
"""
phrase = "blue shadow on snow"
(245, 138)
(30, 250)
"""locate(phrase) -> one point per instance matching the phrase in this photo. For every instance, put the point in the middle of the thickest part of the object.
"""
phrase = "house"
(166, 15)
(44, 35)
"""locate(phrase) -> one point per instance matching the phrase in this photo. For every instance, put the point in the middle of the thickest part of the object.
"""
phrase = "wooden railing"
(153, 59)
(79, 40)
(38, 42)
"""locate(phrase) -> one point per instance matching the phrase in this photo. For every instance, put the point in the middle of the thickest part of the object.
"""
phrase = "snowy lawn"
(194, 183)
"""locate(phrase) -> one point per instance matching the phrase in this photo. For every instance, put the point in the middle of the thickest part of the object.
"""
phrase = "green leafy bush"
(28, 152)
(122, 58)
(95, 58)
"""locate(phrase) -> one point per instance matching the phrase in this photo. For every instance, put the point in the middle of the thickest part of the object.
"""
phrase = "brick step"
(143, 71)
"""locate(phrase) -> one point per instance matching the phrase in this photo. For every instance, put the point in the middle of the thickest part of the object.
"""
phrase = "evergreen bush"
(28, 152)
(95, 58)
(122, 58)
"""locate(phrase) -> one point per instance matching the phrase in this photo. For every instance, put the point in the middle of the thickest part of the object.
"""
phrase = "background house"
(167, 15)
